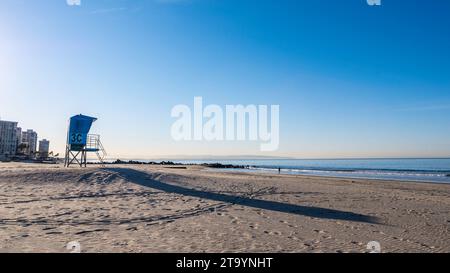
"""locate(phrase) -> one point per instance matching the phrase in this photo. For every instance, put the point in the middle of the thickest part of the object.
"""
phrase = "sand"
(161, 209)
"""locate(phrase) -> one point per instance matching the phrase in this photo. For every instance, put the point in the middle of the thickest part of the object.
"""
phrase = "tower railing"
(94, 144)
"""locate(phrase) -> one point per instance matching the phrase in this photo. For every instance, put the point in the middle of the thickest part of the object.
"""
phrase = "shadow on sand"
(145, 179)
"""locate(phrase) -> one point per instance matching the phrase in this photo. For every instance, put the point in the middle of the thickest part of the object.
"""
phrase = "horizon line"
(210, 157)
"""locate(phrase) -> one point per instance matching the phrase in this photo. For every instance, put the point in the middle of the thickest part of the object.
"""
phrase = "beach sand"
(161, 209)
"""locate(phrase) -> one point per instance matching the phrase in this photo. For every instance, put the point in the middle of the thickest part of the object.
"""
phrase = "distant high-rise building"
(18, 136)
(8, 139)
(30, 138)
(44, 147)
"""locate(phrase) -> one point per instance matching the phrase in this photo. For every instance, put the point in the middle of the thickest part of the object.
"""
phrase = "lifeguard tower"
(80, 142)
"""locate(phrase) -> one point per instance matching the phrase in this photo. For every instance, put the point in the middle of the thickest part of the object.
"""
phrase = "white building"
(44, 147)
(30, 138)
(19, 136)
(8, 139)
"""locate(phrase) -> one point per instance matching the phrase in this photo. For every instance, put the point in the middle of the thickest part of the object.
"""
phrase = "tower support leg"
(80, 158)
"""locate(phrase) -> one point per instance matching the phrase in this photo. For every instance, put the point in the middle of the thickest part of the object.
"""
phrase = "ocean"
(421, 170)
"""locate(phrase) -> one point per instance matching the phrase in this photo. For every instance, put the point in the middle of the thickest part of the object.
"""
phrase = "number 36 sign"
(77, 138)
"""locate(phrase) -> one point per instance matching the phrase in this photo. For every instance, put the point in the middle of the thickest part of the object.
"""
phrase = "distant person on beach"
(279, 170)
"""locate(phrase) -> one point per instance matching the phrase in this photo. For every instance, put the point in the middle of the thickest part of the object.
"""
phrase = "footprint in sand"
(272, 232)
(48, 228)
(234, 220)
(53, 233)
(320, 231)
(263, 215)
(90, 231)
(132, 228)
(357, 243)
(288, 224)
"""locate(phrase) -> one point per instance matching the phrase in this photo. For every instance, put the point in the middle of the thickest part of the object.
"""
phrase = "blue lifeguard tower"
(80, 142)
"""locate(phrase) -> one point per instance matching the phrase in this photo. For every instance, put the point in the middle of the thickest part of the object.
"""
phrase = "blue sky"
(351, 80)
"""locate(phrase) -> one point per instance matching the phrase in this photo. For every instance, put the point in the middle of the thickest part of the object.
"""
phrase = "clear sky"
(351, 80)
